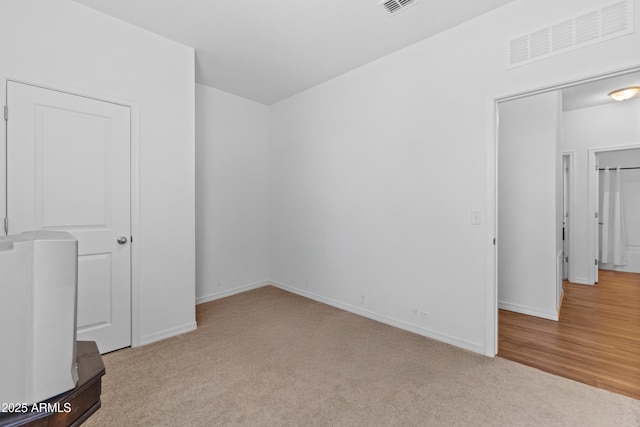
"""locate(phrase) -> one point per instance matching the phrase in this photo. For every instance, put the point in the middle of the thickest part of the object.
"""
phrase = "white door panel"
(597, 220)
(95, 297)
(68, 168)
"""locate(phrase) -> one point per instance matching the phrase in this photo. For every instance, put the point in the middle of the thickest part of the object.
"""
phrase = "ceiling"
(269, 50)
(596, 92)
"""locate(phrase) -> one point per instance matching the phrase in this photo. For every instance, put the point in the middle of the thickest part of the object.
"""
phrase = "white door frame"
(134, 105)
(491, 235)
(593, 199)
(570, 154)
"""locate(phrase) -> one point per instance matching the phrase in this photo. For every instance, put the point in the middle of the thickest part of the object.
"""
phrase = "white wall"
(599, 127)
(63, 44)
(529, 200)
(374, 174)
(232, 149)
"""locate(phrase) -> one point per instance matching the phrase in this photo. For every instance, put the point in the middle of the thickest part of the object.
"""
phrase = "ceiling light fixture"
(625, 93)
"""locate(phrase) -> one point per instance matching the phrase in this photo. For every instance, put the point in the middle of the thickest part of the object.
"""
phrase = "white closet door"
(68, 168)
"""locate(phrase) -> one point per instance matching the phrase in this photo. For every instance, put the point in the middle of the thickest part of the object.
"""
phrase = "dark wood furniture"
(83, 400)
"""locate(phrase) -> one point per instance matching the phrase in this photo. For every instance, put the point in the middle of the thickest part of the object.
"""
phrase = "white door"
(68, 168)
(598, 222)
(565, 217)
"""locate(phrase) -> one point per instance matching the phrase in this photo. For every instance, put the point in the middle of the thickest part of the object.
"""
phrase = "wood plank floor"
(596, 341)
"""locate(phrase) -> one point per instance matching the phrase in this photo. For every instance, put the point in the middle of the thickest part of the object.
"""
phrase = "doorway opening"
(570, 199)
(615, 199)
(84, 146)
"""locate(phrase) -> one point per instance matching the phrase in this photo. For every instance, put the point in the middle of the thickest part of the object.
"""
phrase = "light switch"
(476, 218)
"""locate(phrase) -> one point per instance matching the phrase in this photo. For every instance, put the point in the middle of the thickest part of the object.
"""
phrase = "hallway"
(596, 341)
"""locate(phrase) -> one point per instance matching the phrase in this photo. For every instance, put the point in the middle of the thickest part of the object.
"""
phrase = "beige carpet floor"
(271, 358)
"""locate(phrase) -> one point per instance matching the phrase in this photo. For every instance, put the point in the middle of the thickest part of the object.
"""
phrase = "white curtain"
(613, 243)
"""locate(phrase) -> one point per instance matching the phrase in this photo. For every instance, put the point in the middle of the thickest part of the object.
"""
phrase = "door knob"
(122, 240)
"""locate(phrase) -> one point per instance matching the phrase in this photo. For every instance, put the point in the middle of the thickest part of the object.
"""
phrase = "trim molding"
(448, 339)
(593, 200)
(229, 292)
(167, 333)
(581, 281)
(550, 315)
(571, 154)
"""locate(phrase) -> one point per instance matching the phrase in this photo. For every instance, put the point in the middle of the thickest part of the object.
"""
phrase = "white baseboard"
(467, 345)
(228, 292)
(580, 281)
(528, 310)
(167, 333)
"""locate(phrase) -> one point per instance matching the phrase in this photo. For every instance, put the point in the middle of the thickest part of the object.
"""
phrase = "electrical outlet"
(419, 314)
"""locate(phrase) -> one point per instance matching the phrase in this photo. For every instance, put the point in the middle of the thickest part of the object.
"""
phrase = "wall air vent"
(585, 29)
(392, 7)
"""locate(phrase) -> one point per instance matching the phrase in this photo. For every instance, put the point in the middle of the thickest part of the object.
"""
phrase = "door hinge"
(6, 112)
(131, 239)
(494, 241)
(596, 262)
(596, 215)
(6, 225)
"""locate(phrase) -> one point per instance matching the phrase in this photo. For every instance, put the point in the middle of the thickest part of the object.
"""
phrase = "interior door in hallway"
(566, 188)
(68, 168)
(598, 223)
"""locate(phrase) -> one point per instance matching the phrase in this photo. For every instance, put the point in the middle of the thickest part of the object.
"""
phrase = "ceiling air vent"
(584, 29)
(394, 6)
